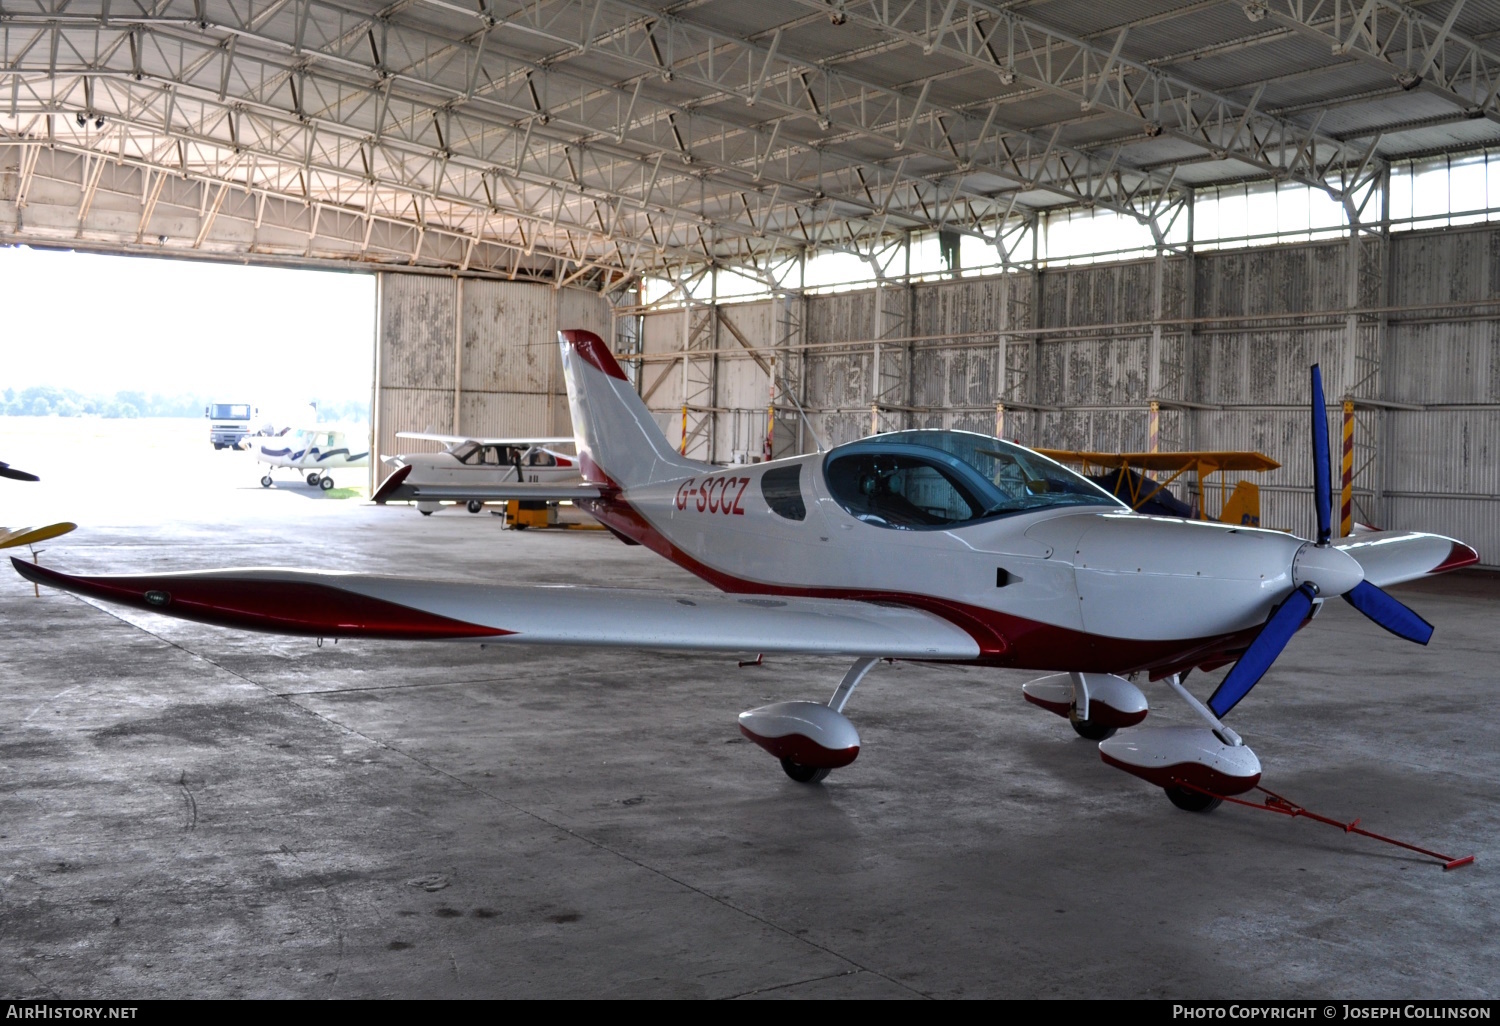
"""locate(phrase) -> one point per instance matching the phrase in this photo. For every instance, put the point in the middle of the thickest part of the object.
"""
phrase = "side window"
(900, 491)
(782, 489)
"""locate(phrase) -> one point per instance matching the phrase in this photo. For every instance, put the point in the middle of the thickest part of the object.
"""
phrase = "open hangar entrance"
(798, 223)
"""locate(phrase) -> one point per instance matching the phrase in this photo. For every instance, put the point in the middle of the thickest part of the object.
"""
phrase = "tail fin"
(1243, 506)
(617, 439)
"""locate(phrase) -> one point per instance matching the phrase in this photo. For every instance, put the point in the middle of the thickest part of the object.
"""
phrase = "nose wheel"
(1192, 801)
(265, 482)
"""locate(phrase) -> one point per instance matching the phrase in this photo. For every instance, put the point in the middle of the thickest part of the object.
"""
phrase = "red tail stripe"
(594, 352)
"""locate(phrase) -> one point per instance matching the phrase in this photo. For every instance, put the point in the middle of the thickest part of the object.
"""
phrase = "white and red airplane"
(919, 545)
(478, 470)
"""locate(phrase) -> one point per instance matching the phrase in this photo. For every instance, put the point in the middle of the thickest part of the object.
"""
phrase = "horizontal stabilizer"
(393, 490)
(341, 605)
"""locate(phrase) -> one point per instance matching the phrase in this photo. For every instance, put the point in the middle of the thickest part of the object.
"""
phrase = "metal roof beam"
(1419, 51)
(1016, 47)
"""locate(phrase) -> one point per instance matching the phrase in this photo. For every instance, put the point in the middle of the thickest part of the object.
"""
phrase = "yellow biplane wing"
(10, 538)
(1210, 461)
(1242, 507)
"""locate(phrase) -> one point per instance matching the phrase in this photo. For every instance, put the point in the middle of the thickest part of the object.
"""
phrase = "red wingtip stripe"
(1458, 556)
(390, 484)
(593, 351)
(297, 607)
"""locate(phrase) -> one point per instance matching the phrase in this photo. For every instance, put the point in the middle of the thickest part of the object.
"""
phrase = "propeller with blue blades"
(1369, 599)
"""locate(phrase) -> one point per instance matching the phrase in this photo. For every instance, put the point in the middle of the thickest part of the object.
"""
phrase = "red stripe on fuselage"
(256, 604)
(1003, 639)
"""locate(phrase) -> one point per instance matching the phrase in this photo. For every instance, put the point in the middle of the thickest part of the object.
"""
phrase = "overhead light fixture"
(82, 119)
(99, 121)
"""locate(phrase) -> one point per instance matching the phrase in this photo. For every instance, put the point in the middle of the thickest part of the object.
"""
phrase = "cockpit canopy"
(911, 480)
(488, 454)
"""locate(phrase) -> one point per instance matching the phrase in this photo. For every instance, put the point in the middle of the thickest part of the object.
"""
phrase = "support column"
(699, 340)
(458, 353)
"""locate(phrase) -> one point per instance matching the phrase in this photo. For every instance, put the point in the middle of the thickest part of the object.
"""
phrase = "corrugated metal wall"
(499, 343)
(1228, 359)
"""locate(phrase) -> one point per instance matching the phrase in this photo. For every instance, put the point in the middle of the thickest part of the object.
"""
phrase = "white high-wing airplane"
(313, 451)
(932, 545)
(476, 470)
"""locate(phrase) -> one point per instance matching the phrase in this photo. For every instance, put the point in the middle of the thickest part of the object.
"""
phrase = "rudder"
(618, 440)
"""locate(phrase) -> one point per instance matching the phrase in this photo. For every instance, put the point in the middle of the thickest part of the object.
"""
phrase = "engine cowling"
(1113, 701)
(1173, 756)
(807, 733)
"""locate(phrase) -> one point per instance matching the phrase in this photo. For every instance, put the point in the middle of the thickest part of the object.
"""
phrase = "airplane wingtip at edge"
(390, 484)
(292, 605)
(1460, 555)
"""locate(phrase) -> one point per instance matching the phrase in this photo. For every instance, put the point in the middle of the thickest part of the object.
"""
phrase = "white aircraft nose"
(1332, 570)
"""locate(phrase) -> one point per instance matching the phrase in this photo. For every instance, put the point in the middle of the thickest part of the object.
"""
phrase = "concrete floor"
(193, 812)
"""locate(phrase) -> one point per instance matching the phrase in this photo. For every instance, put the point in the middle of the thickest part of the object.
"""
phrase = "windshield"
(228, 411)
(915, 479)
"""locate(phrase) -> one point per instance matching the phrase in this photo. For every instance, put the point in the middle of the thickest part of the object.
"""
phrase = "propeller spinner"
(1319, 571)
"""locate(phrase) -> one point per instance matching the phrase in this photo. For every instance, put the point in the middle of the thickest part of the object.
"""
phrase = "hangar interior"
(833, 217)
(1069, 223)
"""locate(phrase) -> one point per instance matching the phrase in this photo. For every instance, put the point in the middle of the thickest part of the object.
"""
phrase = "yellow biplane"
(1124, 475)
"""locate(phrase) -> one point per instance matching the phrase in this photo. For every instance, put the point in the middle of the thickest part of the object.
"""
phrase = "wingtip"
(37, 574)
(389, 485)
(1459, 555)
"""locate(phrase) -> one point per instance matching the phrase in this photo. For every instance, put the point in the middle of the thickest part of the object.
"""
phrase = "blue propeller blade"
(1322, 485)
(1389, 613)
(1263, 651)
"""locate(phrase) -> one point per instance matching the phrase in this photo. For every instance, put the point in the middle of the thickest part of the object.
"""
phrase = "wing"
(395, 489)
(340, 605)
(31, 535)
(1390, 557)
(1210, 460)
(428, 436)
(6, 470)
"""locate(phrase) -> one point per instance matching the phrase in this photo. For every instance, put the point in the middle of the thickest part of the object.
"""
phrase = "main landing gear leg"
(1078, 715)
(810, 739)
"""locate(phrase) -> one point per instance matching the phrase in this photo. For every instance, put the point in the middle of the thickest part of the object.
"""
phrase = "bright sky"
(263, 335)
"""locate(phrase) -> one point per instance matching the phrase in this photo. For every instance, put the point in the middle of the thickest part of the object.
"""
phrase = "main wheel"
(1089, 729)
(325, 483)
(265, 482)
(312, 479)
(1192, 801)
(425, 512)
(475, 506)
(803, 774)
